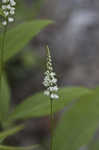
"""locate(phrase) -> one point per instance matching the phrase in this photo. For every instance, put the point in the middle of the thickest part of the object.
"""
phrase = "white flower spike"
(50, 80)
(8, 7)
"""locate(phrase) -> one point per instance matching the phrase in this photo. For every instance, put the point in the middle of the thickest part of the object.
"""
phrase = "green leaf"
(79, 123)
(10, 132)
(19, 36)
(39, 105)
(2, 147)
(4, 98)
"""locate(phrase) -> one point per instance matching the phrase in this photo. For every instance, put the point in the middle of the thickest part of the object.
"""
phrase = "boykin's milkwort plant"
(50, 83)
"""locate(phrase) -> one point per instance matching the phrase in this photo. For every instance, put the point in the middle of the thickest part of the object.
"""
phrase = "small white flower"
(4, 7)
(9, 6)
(12, 12)
(4, 23)
(12, 3)
(10, 19)
(52, 74)
(47, 93)
(12, 8)
(50, 89)
(54, 80)
(6, 13)
(55, 88)
(50, 80)
(54, 96)
(45, 83)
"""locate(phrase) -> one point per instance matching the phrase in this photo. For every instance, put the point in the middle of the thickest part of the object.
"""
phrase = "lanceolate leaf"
(19, 36)
(2, 147)
(79, 123)
(39, 105)
(10, 132)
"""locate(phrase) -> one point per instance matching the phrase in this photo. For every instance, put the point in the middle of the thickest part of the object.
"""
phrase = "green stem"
(2, 52)
(51, 124)
(2, 56)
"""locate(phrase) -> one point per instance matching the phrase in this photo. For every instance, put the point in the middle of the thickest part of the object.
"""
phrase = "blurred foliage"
(10, 132)
(17, 37)
(79, 124)
(28, 9)
(21, 34)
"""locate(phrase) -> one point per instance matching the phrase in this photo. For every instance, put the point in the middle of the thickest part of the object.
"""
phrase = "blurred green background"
(74, 42)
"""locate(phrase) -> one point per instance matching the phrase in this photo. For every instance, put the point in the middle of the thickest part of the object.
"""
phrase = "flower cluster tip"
(50, 80)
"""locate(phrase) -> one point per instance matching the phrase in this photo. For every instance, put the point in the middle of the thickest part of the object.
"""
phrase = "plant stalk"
(51, 124)
(2, 55)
